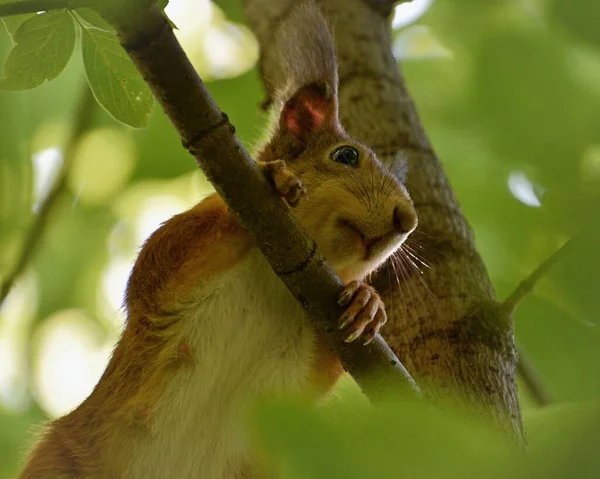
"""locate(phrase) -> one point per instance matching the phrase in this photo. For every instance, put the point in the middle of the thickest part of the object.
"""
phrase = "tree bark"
(445, 325)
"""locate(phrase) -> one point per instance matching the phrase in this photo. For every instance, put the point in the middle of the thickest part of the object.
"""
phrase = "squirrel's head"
(355, 208)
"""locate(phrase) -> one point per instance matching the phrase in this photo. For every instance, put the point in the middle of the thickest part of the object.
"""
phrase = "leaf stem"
(34, 6)
(81, 123)
(526, 286)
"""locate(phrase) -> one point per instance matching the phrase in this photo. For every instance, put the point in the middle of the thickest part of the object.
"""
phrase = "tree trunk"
(445, 325)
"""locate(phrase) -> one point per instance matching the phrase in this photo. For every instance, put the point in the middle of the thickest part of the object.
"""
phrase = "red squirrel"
(210, 327)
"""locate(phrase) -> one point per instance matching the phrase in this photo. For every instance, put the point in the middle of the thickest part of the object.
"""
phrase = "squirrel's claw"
(365, 314)
(285, 181)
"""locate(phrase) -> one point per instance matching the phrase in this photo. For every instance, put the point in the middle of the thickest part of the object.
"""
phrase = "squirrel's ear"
(312, 108)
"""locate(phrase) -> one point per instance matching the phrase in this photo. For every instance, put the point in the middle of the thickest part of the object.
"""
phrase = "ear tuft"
(311, 109)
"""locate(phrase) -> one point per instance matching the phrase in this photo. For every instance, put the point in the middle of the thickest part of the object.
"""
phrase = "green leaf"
(116, 83)
(44, 45)
(321, 443)
(94, 19)
(13, 22)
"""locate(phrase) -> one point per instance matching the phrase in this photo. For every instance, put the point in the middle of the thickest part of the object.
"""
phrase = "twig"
(206, 132)
(531, 379)
(525, 367)
(34, 6)
(81, 124)
(526, 286)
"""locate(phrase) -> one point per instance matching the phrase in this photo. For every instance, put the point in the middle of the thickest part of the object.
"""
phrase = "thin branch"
(532, 380)
(81, 123)
(525, 367)
(526, 286)
(34, 6)
(206, 132)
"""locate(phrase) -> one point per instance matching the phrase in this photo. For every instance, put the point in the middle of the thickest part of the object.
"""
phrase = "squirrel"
(210, 327)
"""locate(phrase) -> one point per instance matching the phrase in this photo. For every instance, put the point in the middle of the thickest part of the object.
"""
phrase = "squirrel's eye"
(345, 155)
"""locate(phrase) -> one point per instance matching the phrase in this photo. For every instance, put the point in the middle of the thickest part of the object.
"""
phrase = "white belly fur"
(248, 338)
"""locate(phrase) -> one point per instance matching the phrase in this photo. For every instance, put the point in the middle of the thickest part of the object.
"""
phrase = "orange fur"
(189, 248)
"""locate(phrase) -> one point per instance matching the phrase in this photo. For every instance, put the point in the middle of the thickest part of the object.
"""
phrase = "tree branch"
(526, 286)
(34, 6)
(81, 123)
(206, 132)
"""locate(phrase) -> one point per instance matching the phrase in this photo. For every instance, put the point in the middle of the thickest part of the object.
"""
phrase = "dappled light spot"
(12, 386)
(155, 211)
(230, 50)
(103, 163)
(217, 48)
(112, 292)
(47, 159)
(590, 165)
(180, 193)
(20, 306)
(69, 360)
(409, 12)
(16, 314)
(419, 42)
(523, 189)
(46, 168)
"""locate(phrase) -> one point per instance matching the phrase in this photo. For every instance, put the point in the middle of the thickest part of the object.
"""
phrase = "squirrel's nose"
(405, 219)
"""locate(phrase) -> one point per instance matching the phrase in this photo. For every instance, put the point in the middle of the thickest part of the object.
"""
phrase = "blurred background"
(509, 94)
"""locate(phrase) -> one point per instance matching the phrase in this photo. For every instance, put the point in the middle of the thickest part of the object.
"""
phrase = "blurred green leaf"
(580, 17)
(564, 440)
(116, 83)
(44, 44)
(404, 438)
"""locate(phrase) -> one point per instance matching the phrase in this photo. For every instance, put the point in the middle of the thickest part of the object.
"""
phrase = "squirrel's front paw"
(365, 314)
(284, 180)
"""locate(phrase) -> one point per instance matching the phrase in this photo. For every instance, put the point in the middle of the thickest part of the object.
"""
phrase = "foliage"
(44, 44)
(408, 438)
(46, 41)
(114, 79)
(509, 94)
